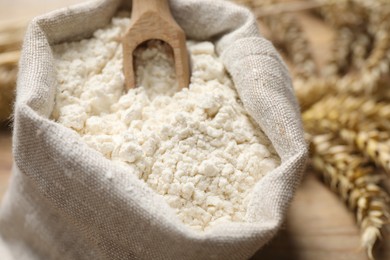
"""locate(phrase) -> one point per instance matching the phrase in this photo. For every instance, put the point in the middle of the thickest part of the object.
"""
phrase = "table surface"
(318, 224)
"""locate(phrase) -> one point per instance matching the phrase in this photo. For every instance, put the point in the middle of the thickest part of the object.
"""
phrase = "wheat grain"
(352, 13)
(358, 123)
(355, 127)
(360, 49)
(362, 41)
(352, 110)
(312, 90)
(369, 143)
(287, 32)
(340, 59)
(349, 175)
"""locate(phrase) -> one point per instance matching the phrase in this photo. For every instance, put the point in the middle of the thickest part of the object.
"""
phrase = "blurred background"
(14, 17)
(338, 55)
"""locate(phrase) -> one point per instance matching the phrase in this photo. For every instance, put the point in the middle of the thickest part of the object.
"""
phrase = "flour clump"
(197, 147)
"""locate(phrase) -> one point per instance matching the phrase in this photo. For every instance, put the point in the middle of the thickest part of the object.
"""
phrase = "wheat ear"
(354, 127)
(349, 175)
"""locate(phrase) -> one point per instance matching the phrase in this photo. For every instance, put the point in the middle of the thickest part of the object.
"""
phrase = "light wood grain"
(152, 19)
(318, 226)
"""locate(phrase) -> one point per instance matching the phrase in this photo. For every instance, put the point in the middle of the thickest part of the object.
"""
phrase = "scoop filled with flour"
(197, 147)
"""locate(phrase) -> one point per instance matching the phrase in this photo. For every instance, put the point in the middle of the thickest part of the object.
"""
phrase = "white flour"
(196, 147)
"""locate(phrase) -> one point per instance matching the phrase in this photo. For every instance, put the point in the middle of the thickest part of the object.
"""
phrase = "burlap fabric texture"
(60, 205)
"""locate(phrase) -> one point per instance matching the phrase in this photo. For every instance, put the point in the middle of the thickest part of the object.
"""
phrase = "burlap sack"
(60, 205)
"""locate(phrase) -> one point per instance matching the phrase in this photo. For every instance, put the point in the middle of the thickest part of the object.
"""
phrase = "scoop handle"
(152, 19)
(141, 7)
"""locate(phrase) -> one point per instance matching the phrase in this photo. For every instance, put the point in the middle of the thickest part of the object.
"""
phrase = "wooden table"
(5, 159)
(318, 226)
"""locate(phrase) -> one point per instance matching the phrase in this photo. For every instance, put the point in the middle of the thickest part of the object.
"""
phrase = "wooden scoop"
(152, 19)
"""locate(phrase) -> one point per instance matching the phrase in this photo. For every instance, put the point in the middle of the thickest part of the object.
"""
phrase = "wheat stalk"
(272, 8)
(375, 67)
(287, 32)
(350, 49)
(313, 89)
(370, 144)
(339, 61)
(353, 14)
(360, 49)
(352, 45)
(355, 127)
(349, 175)
(358, 107)
(359, 62)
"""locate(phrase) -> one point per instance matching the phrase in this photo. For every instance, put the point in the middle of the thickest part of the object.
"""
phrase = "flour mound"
(197, 147)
